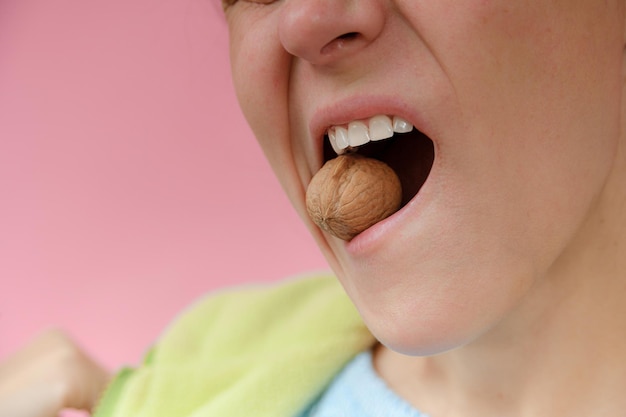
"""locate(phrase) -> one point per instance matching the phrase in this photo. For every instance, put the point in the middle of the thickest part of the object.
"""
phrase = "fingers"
(38, 400)
(48, 375)
(87, 380)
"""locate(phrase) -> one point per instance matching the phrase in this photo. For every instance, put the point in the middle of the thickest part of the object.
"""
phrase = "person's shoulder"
(290, 338)
(241, 320)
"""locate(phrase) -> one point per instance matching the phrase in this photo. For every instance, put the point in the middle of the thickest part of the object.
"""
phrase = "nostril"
(340, 42)
(348, 36)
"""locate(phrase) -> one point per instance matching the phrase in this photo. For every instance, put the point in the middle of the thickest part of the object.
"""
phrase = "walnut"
(351, 193)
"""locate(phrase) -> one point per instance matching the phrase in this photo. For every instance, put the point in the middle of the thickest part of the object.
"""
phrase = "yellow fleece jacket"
(264, 351)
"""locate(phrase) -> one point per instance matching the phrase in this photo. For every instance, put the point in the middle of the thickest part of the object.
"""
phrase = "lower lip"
(371, 239)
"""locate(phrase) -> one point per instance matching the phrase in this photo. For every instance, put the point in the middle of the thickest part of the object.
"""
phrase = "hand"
(49, 375)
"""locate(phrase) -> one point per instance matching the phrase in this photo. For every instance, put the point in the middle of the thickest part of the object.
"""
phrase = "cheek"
(257, 82)
(260, 69)
(260, 78)
(539, 86)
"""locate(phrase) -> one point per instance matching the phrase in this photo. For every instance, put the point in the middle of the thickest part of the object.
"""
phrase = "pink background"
(130, 184)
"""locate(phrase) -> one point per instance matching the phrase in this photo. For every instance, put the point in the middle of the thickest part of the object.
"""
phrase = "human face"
(520, 103)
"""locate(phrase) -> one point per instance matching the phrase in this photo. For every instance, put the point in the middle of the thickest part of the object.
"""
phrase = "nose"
(322, 31)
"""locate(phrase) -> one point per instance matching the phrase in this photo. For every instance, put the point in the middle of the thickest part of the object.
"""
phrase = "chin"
(421, 336)
(430, 312)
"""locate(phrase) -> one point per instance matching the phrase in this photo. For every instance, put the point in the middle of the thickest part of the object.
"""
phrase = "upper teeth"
(359, 132)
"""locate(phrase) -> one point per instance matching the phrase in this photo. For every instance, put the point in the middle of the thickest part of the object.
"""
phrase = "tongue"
(351, 193)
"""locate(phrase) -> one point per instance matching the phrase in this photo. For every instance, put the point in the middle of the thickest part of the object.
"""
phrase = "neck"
(560, 353)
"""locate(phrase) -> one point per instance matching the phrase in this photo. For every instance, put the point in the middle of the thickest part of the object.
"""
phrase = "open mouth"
(409, 152)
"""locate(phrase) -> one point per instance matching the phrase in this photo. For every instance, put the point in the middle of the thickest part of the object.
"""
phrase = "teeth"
(333, 141)
(380, 127)
(341, 136)
(360, 132)
(401, 126)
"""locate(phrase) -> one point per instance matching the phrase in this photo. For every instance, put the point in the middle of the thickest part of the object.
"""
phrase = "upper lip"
(358, 108)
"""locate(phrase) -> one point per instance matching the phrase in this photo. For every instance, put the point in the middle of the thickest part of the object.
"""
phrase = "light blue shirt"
(358, 391)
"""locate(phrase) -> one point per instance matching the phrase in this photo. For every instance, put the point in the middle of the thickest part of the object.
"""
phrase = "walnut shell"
(351, 193)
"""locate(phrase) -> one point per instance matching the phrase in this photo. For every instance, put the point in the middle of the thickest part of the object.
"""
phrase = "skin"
(48, 375)
(499, 289)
